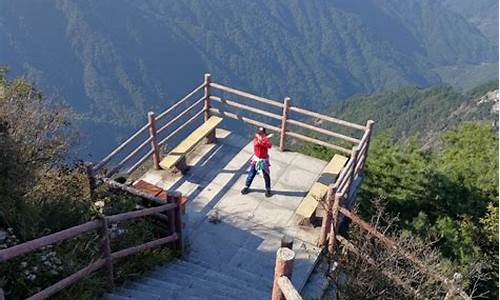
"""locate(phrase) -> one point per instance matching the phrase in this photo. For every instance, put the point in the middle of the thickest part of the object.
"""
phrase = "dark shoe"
(268, 194)
(244, 191)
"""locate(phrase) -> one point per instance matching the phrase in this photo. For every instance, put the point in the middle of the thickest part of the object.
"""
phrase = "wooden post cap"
(285, 254)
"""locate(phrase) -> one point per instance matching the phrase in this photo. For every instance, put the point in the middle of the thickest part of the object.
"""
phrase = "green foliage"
(411, 111)
(451, 192)
(42, 192)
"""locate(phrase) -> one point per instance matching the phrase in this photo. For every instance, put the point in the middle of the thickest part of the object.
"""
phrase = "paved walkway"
(230, 231)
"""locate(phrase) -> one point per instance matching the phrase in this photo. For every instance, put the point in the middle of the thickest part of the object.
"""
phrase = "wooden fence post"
(178, 224)
(369, 128)
(106, 253)
(89, 169)
(175, 219)
(352, 171)
(154, 139)
(327, 216)
(206, 89)
(283, 267)
(284, 118)
(338, 198)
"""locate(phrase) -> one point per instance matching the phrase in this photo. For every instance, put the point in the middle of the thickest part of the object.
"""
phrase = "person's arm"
(266, 142)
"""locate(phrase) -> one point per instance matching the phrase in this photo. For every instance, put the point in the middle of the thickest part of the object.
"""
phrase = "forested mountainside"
(481, 13)
(112, 61)
(412, 111)
(431, 175)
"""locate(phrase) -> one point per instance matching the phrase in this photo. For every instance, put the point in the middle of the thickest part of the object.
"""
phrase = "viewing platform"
(226, 228)
(200, 158)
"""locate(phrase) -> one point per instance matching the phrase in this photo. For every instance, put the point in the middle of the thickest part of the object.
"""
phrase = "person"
(259, 161)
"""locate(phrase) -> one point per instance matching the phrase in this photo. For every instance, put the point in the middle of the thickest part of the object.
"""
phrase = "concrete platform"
(249, 227)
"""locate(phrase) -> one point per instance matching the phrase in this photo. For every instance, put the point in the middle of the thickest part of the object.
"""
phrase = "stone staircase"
(231, 239)
(194, 280)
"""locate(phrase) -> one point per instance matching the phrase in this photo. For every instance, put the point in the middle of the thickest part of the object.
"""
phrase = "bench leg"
(181, 165)
(211, 137)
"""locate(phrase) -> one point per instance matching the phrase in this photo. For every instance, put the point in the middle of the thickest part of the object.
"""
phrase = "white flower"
(99, 204)
(31, 277)
(24, 264)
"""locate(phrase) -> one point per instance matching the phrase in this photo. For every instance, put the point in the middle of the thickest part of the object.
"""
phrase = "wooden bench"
(177, 157)
(309, 205)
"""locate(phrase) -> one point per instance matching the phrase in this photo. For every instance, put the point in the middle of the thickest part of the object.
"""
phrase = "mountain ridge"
(113, 61)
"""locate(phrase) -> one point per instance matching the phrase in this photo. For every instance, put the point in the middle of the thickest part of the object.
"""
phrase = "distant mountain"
(114, 60)
(481, 13)
(412, 111)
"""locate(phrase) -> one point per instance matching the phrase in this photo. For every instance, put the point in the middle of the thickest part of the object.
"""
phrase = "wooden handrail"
(326, 118)
(393, 245)
(53, 238)
(140, 161)
(139, 248)
(180, 115)
(173, 133)
(161, 115)
(70, 280)
(324, 131)
(319, 142)
(120, 147)
(245, 107)
(108, 257)
(350, 247)
(288, 289)
(104, 161)
(245, 94)
(66, 234)
(245, 119)
(132, 190)
(130, 155)
(140, 213)
(284, 118)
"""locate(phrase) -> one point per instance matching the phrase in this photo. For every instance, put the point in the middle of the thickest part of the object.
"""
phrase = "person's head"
(261, 131)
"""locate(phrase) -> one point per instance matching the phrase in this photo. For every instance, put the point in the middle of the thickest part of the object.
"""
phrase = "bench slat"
(319, 189)
(188, 144)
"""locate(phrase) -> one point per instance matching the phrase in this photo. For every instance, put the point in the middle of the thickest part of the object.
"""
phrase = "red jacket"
(261, 146)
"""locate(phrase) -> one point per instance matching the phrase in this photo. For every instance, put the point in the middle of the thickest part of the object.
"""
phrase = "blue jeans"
(251, 175)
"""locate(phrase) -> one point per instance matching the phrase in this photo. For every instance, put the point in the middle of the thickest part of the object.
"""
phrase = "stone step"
(164, 291)
(217, 278)
(205, 285)
(251, 279)
(139, 295)
(116, 297)
(211, 274)
(157, 285)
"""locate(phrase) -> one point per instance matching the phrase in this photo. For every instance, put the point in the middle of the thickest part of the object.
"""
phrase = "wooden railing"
(337, 197)
(161, 128)
(107, 257)
(283, 288)
(283, 119)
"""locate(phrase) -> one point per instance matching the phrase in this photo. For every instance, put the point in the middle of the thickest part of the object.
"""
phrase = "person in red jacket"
(259, 161)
